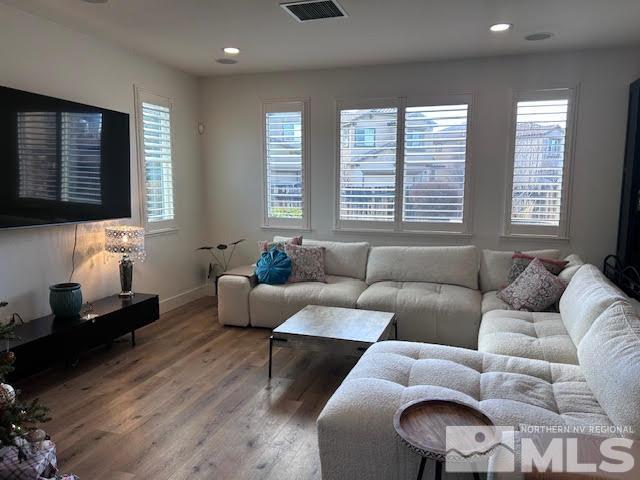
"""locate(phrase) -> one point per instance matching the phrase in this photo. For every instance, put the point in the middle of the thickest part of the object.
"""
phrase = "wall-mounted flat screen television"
(61, 161)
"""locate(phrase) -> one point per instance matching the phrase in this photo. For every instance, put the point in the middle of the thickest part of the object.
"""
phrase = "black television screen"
(61, 161)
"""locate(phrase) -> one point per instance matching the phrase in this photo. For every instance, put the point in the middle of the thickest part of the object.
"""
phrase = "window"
(540, 152)
(156, 153)
(59, 155)
(365, 137)
(415, 184)
(285, 164)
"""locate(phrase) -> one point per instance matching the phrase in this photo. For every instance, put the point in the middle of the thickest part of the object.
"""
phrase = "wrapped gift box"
(40, 464)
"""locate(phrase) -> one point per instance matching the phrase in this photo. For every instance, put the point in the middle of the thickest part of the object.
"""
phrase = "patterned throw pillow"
(535, 290)
(266, 245)
(521, 261)
(307, 263)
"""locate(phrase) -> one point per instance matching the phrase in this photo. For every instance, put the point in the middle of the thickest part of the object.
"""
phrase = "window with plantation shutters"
(368, 147)
(541, 157)
(285, 164)
(59, 156)
(402, 164)
(155, 145)
(434, 163)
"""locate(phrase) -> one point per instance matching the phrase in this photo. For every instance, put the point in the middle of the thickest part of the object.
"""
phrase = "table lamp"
(127, 241)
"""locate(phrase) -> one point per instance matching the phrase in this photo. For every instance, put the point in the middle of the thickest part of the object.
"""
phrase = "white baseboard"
(182, 298)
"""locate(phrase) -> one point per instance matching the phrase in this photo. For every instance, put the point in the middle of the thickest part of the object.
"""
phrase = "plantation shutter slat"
(368, 172)
(434, 163)
(284, 164)
(538, 163)
(59, 156)
(158, 162)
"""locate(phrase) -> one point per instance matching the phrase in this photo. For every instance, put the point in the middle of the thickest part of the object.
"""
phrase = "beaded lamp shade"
(125, 240)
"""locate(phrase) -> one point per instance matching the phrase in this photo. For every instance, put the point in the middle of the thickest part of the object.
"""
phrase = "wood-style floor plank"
(190, 401)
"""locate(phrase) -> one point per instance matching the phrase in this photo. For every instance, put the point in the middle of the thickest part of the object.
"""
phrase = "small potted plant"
(221, 256)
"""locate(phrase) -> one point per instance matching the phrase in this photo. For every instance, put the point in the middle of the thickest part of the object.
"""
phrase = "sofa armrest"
(234, 287)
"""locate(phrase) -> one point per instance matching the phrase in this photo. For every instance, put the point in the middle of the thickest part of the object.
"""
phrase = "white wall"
(232, 142)
(43, 57)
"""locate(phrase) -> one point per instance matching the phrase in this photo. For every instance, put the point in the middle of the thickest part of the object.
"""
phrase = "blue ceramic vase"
(65, 299)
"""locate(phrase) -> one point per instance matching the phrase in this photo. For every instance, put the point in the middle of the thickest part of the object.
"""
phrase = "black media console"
(45, 341)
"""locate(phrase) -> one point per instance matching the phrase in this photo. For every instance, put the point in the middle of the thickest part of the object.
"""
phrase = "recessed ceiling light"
(534, 37)
(500, 27)
(231, 50)
(227, 61)
(96, 1)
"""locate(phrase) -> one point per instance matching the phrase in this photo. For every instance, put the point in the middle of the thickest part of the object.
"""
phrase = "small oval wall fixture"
(534, 37)
(201, 128)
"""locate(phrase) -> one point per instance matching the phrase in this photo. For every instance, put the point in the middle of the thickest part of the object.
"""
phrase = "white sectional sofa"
(578, 367)
(438, 293)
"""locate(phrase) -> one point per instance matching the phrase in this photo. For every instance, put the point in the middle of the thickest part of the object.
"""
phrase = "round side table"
(422, 426)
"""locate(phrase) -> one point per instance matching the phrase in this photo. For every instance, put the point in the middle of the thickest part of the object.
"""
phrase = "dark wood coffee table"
(342, 331)
(422, 425)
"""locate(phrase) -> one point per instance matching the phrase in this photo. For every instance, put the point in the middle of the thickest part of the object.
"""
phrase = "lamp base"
(126, 294)
(126, 276)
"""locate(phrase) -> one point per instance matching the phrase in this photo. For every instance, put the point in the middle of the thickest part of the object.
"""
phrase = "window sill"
(422, 233)
(531, 236)
(162, 231)
(288, 227)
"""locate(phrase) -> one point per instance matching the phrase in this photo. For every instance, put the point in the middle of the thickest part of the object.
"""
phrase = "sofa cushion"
(270, 305)
(538, 335)
(428, 312)
(341, 258)
(609, 354)
(451, 265)
(588, 294)
(495, 266)
(490, 301)
(355, 430)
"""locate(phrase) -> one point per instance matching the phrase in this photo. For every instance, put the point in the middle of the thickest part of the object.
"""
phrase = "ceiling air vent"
(313, 10)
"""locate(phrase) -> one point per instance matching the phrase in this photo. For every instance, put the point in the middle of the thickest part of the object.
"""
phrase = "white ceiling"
(189, 34)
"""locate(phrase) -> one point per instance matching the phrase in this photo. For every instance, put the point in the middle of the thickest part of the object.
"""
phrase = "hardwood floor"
(190, 401)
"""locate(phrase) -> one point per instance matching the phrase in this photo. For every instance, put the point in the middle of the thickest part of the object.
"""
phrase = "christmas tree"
(19, 420)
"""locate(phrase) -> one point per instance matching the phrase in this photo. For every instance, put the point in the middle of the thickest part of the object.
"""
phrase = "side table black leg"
(395, 326)
(438, 470)
(133, 338)
(476, 476)
(423, 461)
(270, 353)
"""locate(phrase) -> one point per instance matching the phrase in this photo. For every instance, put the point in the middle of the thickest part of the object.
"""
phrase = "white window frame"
(294, 104)
(145, 96)
(399, 225)
(543, 231)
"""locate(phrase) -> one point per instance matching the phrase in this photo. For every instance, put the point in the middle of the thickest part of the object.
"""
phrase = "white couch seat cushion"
(270, 305)
(538, 335)
(428, 312)
(490, 301)
(355, 429)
